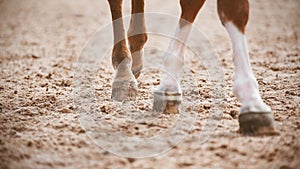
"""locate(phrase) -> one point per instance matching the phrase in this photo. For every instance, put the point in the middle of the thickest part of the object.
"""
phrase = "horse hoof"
(253, 123)
(167, 102)
(124, 90)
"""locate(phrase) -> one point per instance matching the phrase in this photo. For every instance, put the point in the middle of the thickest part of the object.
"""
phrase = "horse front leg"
(124, 85)
(255, 117)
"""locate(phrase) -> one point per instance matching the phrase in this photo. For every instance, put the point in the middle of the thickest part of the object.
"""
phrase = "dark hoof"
(257, 124)
(167, 102)
(124, 90)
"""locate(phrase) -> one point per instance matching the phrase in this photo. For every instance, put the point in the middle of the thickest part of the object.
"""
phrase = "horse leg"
(137, 36)
(168, 94)
(255, 116)
(124, 85)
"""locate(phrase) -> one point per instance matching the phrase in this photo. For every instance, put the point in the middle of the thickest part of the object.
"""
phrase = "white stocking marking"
(174, 61)
(245, 85)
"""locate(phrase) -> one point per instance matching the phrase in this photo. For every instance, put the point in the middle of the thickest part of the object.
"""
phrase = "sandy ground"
(41, 40)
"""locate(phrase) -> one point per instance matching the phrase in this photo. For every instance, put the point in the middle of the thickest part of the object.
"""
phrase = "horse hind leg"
(137, 36)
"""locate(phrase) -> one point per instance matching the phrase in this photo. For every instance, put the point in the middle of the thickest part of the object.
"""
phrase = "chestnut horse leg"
(168, 94)
(124, 85)
(255, 116)
(137, 36)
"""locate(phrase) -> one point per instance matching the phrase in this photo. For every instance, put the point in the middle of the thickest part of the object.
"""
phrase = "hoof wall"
(124, 90)
(257, 124)
(167, 102)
